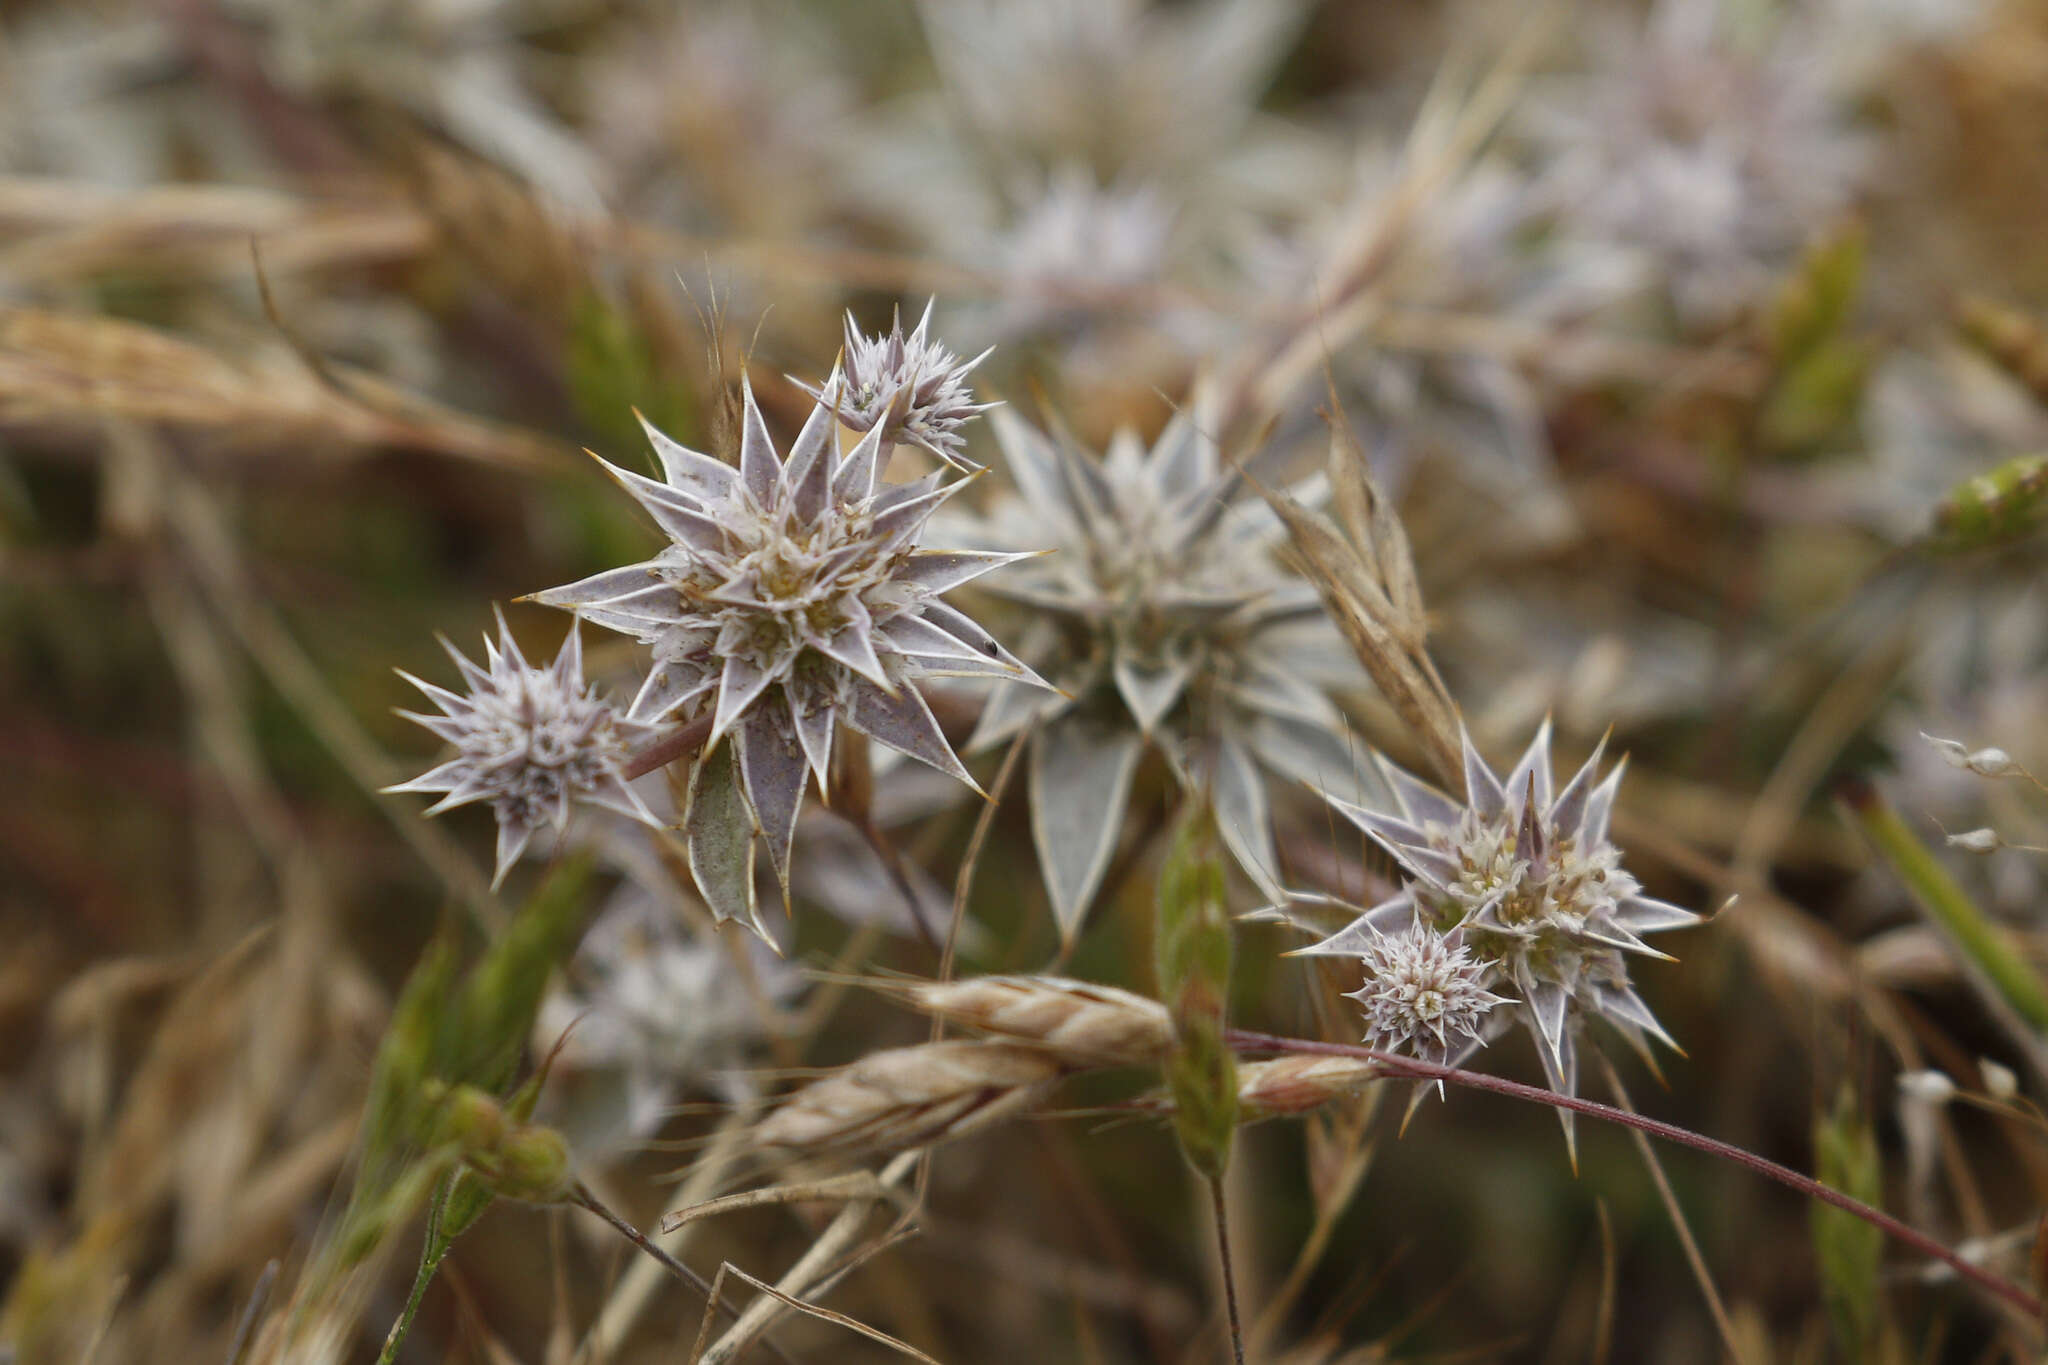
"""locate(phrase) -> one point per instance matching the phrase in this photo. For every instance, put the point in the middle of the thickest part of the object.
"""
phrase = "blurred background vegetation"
(1700, 346)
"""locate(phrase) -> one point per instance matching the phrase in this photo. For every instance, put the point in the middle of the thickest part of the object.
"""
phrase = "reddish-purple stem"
(670, 747)
(1411, 1067)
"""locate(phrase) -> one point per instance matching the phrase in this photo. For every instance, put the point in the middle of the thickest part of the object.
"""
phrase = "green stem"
(432, 1252)
(1985, 946)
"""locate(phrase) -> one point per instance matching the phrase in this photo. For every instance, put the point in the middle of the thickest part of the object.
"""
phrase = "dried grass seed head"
(529, 740)
(910, 1097)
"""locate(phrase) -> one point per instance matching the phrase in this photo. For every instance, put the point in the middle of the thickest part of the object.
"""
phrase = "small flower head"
(793, 596)
(913, 387)
(1426, 992)
(529, 741)
(1525, 875)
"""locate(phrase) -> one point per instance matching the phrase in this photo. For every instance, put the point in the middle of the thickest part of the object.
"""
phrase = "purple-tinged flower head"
(913, 387)
(529, 740)
(1424, 991)
(1524, 873)
(793, 597)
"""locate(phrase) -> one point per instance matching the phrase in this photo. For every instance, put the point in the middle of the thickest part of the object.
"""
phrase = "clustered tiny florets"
(1424, 991)
(914, 387)
(529, 741)
(1526, 879)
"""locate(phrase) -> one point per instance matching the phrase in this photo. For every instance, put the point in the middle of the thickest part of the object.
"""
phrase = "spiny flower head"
(1166, 620)
(915, 388)
(1526, 875)
(793, 596)
(1424, 990)
(529, 741)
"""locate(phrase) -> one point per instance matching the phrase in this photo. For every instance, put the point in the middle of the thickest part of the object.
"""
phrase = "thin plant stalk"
(1411, 1068)
(1222, 1218)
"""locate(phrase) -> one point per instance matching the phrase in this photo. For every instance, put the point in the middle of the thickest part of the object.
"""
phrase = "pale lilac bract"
(529, 741)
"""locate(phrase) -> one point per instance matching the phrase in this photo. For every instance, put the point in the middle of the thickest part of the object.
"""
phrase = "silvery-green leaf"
(678, 515)
(739, 687)
(697, 474)
(937, 571)
(1319, 758)
(969, 632)
(774, 769)
(1009, 708)
(1080, 780)
(1033, 466)
(905, 723)
(760, 466)
(720, 832)
(1600, 806)
(1150, 687)
(811, 464)
(1244, 816)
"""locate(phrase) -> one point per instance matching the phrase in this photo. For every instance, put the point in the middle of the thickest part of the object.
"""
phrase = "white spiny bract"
(1165, 620)
(1426, 992)
(792, 598)
(915, 387)
(1526, 876)
(529, 741)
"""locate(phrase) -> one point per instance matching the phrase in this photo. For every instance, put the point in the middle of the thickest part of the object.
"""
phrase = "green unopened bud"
(471, 1119)
(1194, 953)
(1995, 508)
(532, 1163)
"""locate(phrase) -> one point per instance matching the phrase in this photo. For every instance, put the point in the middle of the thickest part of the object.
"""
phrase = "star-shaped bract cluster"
(528, 740)
(913, 387)
(794, 597)
(1526, 875)
(1167, 621)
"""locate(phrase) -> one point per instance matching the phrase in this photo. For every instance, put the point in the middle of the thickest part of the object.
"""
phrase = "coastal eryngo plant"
(528, 740)
(1166, 621)
(1526, 877)
(793, 597)
(912, 386)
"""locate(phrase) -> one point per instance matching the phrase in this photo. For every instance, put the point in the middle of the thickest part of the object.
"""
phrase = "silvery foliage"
(913, 386)
(793, 597)
(1166, 621)
(1696, 155)
(1426, 992)
(654, 1007)
(1525, 874)
(529, 741)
